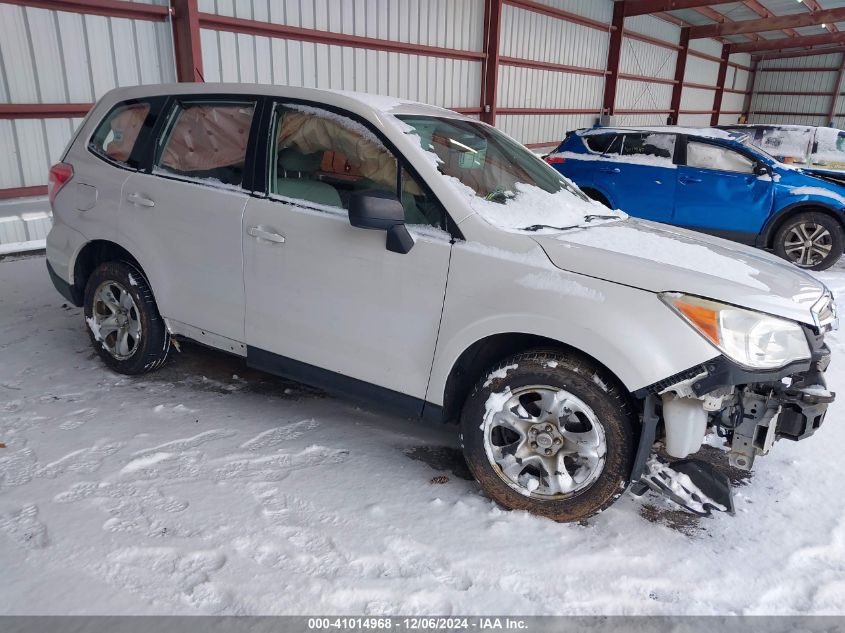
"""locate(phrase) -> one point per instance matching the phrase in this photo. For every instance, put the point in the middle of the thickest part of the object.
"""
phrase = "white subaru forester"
(423, 261)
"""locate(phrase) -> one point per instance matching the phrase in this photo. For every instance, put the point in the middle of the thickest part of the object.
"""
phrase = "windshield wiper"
(587, 218)
(537, 227)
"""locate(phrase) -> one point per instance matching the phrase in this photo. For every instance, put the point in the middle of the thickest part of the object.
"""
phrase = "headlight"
(752, 339)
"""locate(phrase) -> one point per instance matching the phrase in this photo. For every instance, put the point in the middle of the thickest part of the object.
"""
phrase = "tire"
(147, 342)
(597, 409)
(824, 234)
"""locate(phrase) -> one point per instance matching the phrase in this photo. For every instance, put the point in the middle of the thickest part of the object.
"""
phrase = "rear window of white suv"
(116, 136)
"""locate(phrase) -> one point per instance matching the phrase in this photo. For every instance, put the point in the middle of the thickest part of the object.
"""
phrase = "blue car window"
(706, 156)
(657, 149)
(604, 143)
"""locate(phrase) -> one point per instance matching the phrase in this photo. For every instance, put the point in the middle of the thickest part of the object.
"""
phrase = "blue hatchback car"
(710, 180)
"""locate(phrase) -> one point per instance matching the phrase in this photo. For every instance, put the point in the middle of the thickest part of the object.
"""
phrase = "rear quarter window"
(603, 143)
(119, 132)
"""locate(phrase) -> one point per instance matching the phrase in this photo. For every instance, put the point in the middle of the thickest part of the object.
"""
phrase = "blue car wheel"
(810, 240)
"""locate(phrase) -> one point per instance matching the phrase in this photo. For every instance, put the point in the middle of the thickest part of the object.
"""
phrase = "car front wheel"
(549, 433)
(810, 240)
(123, 321)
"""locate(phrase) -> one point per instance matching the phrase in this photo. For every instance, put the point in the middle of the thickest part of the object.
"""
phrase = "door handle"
(687, 180)
(610, 170)
(263, 234)
(140, 200)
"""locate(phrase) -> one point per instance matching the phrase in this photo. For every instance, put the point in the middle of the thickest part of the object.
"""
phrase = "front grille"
(824, 313)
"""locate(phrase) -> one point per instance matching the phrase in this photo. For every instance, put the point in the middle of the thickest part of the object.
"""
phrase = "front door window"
(320, 158)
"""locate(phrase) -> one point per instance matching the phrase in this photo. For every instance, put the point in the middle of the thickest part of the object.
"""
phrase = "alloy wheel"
(116, 320)
(807, 244)
(544, 442)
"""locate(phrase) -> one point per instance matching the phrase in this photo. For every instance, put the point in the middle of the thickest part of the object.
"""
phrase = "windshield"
(829, 148)
(759, 150)
(509, 185)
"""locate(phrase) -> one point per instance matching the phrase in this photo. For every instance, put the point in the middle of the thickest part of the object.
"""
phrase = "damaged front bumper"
(750, 409)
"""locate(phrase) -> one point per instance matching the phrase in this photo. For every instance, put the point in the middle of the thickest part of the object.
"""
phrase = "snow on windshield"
(502, 181)
(787, 142)
(531, 206)
(830, 146)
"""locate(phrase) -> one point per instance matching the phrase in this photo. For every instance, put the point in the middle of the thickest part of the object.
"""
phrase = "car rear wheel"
(123, 320)
(810, 240)
(548, 433)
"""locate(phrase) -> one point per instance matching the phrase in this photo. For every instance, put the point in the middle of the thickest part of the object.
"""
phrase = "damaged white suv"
(426, 262)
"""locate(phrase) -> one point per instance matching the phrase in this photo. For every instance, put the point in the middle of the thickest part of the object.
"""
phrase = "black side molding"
(360, 391)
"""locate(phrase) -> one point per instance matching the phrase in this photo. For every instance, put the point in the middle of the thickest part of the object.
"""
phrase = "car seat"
(296, 178)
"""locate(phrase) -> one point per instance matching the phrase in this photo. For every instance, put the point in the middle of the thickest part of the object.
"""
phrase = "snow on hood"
(661, 258)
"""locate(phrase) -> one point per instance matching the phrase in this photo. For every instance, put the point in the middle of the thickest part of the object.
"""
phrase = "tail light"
(60, 175)
(551, 159)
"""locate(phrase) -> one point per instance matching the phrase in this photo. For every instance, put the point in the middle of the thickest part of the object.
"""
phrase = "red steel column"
(614, 53)
(837, 88)
(186, 40)
(490, 70)
(720, 84)
(749, 94)
(680, 71)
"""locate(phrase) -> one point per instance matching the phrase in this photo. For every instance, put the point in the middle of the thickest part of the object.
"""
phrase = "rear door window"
(206, 141)
(117, 135)
(706, 156)
(656, 149)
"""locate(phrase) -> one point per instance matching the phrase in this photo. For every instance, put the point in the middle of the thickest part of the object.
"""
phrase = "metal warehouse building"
(534, 68)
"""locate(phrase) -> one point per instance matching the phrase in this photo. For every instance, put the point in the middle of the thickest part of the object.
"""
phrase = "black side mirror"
(761, 169)
(381, 211)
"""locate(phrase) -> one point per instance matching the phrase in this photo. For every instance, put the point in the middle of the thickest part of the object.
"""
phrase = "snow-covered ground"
(210, 488)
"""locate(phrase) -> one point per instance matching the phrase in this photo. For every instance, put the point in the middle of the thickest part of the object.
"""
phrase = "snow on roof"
(779, 126)
(705, 132)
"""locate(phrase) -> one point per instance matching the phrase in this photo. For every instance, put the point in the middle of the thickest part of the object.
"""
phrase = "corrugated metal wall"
(700, 71)
(533, 36)
(647, 60)
(60, 57)
(51, 56)
(776, 78)
(444, 23)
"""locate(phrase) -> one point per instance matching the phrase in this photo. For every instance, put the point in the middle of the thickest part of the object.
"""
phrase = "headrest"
(291, 159)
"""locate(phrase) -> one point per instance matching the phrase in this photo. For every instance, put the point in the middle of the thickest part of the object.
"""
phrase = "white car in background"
(425, 262)
(801, 145)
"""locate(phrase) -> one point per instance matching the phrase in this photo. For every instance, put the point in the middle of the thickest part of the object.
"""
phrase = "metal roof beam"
(768, 24)
(789, 42)
(644, 7)
(813, 52)
(814, 6)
